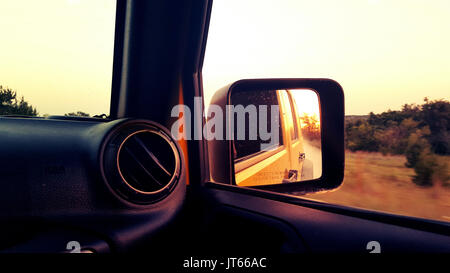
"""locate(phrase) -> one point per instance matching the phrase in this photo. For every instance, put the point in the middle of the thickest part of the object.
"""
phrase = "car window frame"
(424, 224)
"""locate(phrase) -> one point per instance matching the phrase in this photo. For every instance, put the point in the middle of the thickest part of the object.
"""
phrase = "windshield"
(56, 57)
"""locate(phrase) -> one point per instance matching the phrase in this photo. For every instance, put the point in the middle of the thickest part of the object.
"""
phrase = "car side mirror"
(281, 135)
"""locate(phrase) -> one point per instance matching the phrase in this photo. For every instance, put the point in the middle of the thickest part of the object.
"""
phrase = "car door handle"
(301, 156)
(292, 176)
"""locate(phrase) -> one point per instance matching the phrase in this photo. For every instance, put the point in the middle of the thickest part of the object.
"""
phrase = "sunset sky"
(307, 102)
(58, 53)
(384, 53)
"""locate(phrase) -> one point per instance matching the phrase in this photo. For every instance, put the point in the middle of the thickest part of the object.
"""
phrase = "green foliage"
(10, 105)
(361, 136)
(419, 157)
(430, 170)
(436, 115)
(426, 165)
(417, 148)
(420, 132)
(310, 127)
(389, 131)
(77, 114)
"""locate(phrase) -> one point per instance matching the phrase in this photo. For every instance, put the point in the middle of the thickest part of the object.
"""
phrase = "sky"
(307, 102)
(384, 53)
(58, 54)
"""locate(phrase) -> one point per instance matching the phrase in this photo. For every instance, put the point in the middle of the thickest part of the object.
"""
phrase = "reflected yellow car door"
(268, 167)
(293, 140)
(297, 150)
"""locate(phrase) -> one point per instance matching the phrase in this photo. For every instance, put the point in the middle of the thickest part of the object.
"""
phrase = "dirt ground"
(383, 183)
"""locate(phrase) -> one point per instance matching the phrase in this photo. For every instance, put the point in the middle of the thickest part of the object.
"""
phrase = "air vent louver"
(146, 161)
(141, 163)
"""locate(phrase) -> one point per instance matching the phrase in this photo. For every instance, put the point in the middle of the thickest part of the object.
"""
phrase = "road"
(315, 155)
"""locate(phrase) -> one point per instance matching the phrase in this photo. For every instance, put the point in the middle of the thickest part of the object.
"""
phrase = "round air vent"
(141, 162)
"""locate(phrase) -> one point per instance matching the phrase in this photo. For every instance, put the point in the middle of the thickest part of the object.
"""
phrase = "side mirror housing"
(245, 157)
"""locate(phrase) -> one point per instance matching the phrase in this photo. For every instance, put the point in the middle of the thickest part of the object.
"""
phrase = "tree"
(425, 163)
(361, 136)
(77, 114)
(416, 149)
(394, 138)
(310, 126)
(10, 105)
(388, 132)
(436, 115)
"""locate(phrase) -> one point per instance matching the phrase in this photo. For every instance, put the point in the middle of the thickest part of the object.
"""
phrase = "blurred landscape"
(382, 182)
(398, 162)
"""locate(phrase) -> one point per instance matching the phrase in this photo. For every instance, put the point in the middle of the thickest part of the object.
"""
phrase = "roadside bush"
(426, 164)
(425, 169)
(360, 136)
(436, 115)
(417, 147)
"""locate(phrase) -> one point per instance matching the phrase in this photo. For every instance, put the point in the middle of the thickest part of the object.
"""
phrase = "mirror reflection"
(277, 136)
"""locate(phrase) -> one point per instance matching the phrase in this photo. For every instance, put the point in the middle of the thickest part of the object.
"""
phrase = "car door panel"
(324, 231)
(271, 168)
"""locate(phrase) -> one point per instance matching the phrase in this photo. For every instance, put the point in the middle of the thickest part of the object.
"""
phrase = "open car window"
(392, 60)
